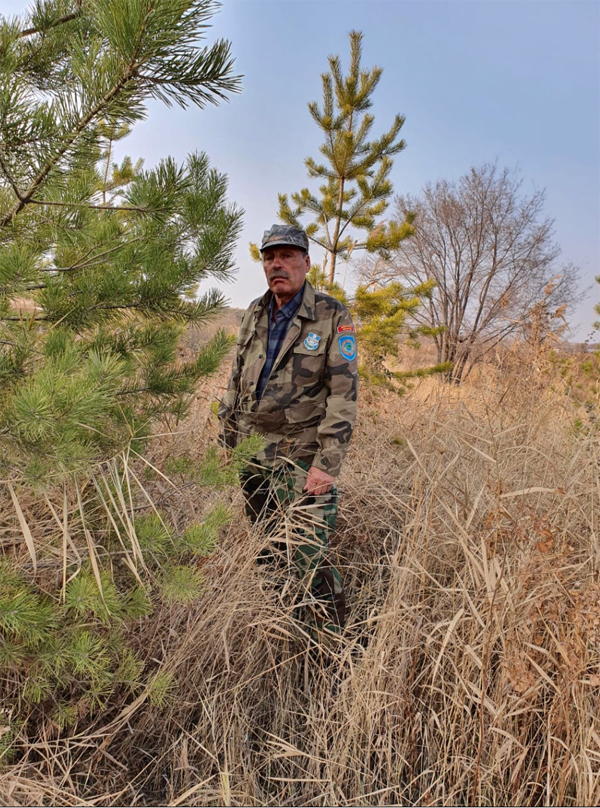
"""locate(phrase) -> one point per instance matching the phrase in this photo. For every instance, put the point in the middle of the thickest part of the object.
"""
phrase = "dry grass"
(470, 669)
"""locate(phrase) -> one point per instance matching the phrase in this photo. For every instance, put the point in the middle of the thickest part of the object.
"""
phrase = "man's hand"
(318, 482)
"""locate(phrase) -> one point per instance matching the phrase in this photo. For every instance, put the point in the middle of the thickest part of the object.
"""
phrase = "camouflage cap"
(281, 234)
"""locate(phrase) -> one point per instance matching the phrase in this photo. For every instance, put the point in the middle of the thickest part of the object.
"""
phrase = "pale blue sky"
(478, 80)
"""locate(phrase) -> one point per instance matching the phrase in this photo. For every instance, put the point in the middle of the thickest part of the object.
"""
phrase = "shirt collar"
(290, 308)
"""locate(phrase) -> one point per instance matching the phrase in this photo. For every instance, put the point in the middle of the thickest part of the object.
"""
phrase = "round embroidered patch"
(348, 347)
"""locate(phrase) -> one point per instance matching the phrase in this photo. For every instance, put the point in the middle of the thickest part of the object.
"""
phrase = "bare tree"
(491, 254)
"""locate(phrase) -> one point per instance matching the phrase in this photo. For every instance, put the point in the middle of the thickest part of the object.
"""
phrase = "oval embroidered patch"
(348, 346)
(311, 343)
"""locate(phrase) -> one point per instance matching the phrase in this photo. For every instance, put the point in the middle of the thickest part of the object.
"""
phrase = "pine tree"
(383, 318)
(356, 186)
(100, 263)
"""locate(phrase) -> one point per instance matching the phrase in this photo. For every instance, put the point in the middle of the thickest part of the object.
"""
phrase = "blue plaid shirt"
(278, 328)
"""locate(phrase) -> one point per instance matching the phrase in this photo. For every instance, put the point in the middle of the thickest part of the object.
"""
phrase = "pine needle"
(24, 527)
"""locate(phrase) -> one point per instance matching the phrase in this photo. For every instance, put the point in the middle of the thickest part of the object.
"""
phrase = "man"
(294, 381)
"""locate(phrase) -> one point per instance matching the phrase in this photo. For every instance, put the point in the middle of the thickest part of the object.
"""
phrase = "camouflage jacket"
(308, 408)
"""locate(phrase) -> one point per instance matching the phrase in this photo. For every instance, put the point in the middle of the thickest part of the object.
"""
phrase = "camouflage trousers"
(300, 525)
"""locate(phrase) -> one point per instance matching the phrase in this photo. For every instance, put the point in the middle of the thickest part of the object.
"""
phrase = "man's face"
(285, 269)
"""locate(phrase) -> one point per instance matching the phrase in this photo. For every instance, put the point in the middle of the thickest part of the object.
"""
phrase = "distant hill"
(578, 347)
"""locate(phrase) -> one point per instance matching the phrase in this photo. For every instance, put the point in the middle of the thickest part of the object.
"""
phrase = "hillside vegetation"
(469, 672)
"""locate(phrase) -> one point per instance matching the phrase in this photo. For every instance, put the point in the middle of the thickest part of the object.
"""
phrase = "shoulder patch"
(348, 346)
(345, 329)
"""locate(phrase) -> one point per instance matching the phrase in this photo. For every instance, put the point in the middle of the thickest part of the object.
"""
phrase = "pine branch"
(90, 206)
(27, 195)
(10, 180)
(36, 319)
(55, 24)
(81, 264)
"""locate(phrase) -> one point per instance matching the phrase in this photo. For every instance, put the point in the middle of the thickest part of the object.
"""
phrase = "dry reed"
(469, 672)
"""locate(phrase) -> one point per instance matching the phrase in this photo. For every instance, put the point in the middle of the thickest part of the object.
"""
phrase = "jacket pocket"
(306, 366)
(305, 414)
(265, 421)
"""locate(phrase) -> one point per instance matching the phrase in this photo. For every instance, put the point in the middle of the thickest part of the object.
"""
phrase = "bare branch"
(491, 255)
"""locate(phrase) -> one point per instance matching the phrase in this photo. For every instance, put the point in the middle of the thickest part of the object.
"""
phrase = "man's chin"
(279, 285)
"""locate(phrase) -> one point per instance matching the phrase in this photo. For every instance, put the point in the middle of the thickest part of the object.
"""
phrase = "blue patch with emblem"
(311, 343)
(348, 346)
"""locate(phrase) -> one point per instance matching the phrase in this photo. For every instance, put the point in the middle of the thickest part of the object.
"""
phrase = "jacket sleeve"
(341, 381)
(227, 408)
(227, 411)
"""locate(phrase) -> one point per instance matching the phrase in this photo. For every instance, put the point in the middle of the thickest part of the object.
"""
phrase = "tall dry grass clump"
(469, 672)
